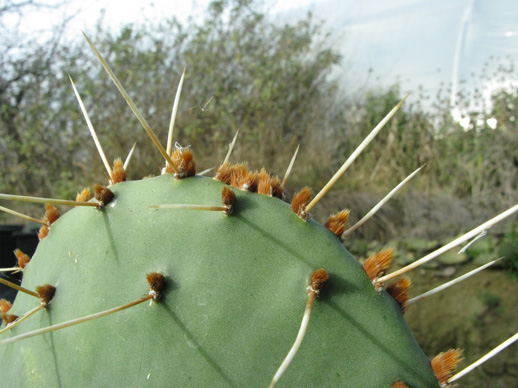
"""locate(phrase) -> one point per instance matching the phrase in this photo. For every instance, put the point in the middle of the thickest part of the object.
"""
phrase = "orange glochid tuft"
(444, 364)
(244, 179)
(168, 170)
(45, 293)
(183, 159)
(399, 291)
(399, 384)
(264, 183)
(102, 194)
(156, 283)
(376, 265)
(51, 214)
(5, 306)
(224, 173)
(8, 318)
(317, 280)
(300, 201)
(336, 222)
(43, 232)
(239, 172)
(277, 190)
(118, 172)
(83, 196)
(229, 200)
(238, 176)
(23, 258)
(250, 182)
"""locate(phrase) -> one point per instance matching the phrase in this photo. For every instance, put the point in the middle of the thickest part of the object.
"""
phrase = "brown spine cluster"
(244, 179)
(317, 280)
(300, 201)
(23, 258)
(444, 365)
(240, 177)
(5, 306)
(45, 293)
(43, 232)
(229, 200)
(8, 318)
(118, 172)
(51, 215)
(183, 159)
(83, 196)
(399, 291)
(156, 284)
(277, 189)
(336, 222)
(224, 173)
(264, 183)
(102, 194)
(399, 384)
(376, 265)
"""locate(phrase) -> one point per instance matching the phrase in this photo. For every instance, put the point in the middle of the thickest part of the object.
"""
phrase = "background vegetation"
(270, 81)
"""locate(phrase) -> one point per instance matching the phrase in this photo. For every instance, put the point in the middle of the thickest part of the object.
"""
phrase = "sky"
(119, 12)
(418, 43)
(465, 45)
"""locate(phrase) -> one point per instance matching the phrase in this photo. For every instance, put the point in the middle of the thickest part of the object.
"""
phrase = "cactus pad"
(234, 298)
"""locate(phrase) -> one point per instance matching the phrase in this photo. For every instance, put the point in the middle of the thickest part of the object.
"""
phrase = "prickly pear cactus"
(232, 271)
(234, 298)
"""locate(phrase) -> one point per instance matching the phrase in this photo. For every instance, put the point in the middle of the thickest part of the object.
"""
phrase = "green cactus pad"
(232, 307)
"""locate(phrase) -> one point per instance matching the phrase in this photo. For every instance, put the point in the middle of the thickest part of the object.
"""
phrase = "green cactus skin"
(235, 296)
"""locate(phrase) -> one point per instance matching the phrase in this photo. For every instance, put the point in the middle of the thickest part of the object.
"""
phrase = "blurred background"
(320, 74)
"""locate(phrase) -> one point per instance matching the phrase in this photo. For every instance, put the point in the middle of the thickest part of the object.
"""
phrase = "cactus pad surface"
(234, 298)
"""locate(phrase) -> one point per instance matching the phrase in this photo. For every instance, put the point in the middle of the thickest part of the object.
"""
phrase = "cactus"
(232, 270)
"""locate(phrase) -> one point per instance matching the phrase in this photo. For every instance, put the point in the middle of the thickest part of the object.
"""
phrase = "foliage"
(478, 163)
(491, 301)
(30, 106)
(268, 81)
(508, 249)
